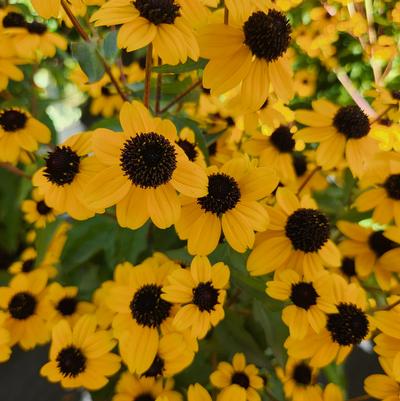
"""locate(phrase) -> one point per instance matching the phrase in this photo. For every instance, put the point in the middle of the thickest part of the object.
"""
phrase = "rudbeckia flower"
(187, 141)
(132, 388)
(143, 169)
(382, 387)
(297, 237)
(231, 206)
(344, 329)
(164, 23)
(141, 313)
(63, 303)
(36, 211)
(23, 301)
(80, 355)
(375, 252)
(250, 51)
(383, 175)
(311, 301)
(20, 131)
(238, 381)
(300, 381)
(25, 263)
(63, 179)
(339, 131)
(201, 292)
(275, 147)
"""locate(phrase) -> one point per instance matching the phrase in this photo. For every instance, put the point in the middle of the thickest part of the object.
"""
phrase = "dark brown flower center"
(42, 208)
(22, 305)
(299, 164)
(67, 306)
(156, 369)
(392, 186)
(352, 122)
(267, 35)
(302, 374)
(37, 27)
(241, 379)
(12, 120)
(158, 11)
(205, 296)
(348, 267)
(304, 295)
(14, 20)
(28, 265)
(379, 244)
(282, 139)
(189, 148)
(62, 165)
(71, 361)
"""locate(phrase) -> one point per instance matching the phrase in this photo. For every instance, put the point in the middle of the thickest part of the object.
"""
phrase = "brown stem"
(307, 180)
(360, 398)
(226, 15)
(379, 116)
(388, 307)
(181, 96)
(158, 89)
(147, 80)
(86, 38)
(14, 170)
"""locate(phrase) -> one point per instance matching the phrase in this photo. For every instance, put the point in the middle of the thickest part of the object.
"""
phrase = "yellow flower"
(250, 51)
(187, 141)
(201, 293)
(80, 355)
(383, 175)
(305, 82)
(144, 167)
(375, 252)
(238, 381)
(299, 381)
(141, 313)
(23, 301)
(231, 206)
(67, 171)
(132, 388)
(36, 210)
(164, 24)
(311, 301)
(196, 392)
(19, 131)
(297, 237)
(382, 387)
(344, 329)
(339, 131)
(332, 392)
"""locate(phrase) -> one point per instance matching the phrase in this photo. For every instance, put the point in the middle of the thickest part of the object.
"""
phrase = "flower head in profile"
(19, 132)
(201, 293)
(143, 168)
(163, 23)
(37, 212)
(297, 237)
(239, 380)
(80, 355)
(231, 207)
(250, 51)
(340, 132)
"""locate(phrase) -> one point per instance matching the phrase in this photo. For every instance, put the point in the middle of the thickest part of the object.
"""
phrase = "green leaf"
(88, 59)
(190, 65)
(110, 48)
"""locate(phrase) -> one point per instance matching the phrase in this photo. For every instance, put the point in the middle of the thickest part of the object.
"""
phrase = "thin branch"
(379, 116)
(181, 96)
(360, 398)
(354, 93)
(86, 38)
(158, 89)
(147, 81)
(14, 170)
(226, 15)
(388, 307)
(307, 180)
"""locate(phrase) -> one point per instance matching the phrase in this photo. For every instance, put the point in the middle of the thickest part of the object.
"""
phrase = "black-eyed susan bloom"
(63, 303)
(311, 300)
(25, 263)
(36, 211)
(80, 355)
(382, 184)
(23, 302)
(133, 388)
(20, 131)
(231, 207)
(344, 329)
(239, 381)
(375, 252)
(160, 22)
(299, 381)
(65, 175)
(187, 141)
(143, 170)
(340, 131)
(201, 293)
(141, 313)
(250, 51)
(297, 237)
